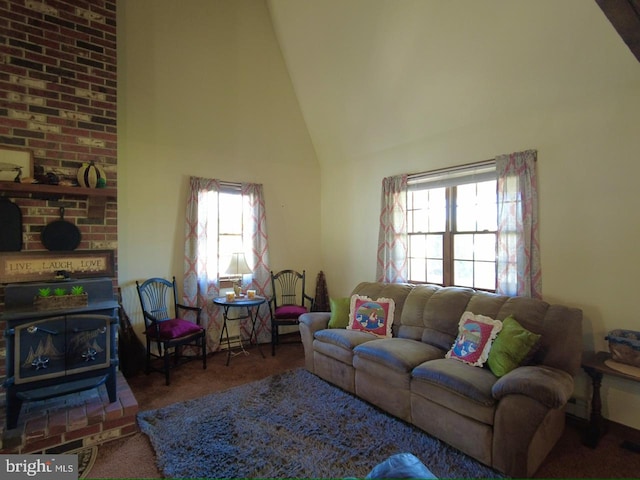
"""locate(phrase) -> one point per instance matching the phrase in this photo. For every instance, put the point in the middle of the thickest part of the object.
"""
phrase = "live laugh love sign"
(32, 266)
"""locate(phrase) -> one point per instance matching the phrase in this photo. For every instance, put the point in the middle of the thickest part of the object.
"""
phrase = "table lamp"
(236, 268)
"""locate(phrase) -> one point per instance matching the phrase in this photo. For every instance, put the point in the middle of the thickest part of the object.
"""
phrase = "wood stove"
(61, 351)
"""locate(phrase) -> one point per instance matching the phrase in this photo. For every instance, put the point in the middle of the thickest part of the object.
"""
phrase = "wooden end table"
(593, 364)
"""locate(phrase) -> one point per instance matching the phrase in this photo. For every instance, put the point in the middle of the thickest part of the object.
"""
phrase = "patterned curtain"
(518, 245)
(257, 256)
(200, 247)
(201, 266)
(392, 241)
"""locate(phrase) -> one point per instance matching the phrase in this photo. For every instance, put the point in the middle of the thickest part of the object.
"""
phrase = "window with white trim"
(452, 226)
(227, 231)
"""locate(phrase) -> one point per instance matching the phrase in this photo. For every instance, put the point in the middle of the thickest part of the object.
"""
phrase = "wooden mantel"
(96, 197)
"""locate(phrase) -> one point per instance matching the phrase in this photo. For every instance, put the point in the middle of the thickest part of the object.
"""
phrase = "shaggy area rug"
(290, 425)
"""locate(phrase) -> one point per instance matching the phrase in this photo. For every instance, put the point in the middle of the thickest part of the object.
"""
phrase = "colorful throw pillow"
(475, 334)
(373, 316)
(339, 312)
(511, 347)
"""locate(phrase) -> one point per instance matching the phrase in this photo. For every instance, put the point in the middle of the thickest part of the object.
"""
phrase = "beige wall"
(384, 88)
(587, 167)
(407, 86)
(203, 91)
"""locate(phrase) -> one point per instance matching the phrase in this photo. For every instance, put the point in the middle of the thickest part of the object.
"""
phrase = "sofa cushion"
(441, 313)
(373, 316)
(475, 335)
(338, 343)
(398, 354)
(339, 312)
(473, 383)
(347, 339)
(411, 323)
(334, 352)
(511, 347)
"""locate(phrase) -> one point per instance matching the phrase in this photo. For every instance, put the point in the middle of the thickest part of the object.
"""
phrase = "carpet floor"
(290, 425)
(133, 456)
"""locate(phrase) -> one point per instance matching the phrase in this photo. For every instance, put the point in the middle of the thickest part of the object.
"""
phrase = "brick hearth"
(72, 421)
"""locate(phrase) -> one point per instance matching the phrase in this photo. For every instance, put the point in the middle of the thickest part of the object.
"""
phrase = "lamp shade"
(237, 265)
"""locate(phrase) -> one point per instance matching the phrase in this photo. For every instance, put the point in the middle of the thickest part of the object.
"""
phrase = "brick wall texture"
(58, 80)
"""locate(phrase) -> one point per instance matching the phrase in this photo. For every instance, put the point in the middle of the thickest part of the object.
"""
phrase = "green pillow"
(339, 312)
(511, 347)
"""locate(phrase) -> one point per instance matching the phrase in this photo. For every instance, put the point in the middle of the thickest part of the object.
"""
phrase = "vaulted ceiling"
(371, 75)
(624, 15)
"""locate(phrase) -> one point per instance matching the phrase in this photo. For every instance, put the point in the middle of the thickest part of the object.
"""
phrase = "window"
(452, 227)
(223, 218)
(227, 232)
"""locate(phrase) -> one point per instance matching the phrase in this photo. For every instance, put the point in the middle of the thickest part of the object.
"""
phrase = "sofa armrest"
(550, 386)
(310, 323)
(315, 321)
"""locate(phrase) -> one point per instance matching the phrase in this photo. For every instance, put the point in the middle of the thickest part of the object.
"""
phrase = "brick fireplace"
(71, 422)
(58, 100)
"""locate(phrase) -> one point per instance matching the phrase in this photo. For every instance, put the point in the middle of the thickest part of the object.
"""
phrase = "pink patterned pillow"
(174, 328)
(373, 316)
(475, 336)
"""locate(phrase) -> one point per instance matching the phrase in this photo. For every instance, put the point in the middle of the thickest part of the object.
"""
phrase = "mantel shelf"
(95, 208)
(8, 189)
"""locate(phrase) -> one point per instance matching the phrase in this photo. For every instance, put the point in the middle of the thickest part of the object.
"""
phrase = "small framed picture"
(15, 163)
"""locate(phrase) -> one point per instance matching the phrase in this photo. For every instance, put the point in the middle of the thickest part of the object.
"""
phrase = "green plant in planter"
(44, 292)
(59, 292)
(77, 290)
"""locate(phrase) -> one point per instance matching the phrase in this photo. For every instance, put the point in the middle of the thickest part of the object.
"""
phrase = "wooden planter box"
(60, 302)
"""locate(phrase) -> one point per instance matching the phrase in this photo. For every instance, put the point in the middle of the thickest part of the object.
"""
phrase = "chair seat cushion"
(174, 328)
(289, 312)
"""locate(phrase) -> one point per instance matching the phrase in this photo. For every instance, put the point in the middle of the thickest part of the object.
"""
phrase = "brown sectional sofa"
(509, 423)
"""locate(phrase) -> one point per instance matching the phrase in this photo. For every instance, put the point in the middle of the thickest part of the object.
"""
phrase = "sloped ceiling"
(624, 15)
(373, 74)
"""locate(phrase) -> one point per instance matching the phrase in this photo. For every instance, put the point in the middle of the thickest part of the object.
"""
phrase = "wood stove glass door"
(40, 350)
(60, 346)
(88, 342)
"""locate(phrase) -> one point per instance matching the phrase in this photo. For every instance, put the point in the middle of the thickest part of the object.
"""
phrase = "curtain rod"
(224, 183)
(466, 166)
(456, 168)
